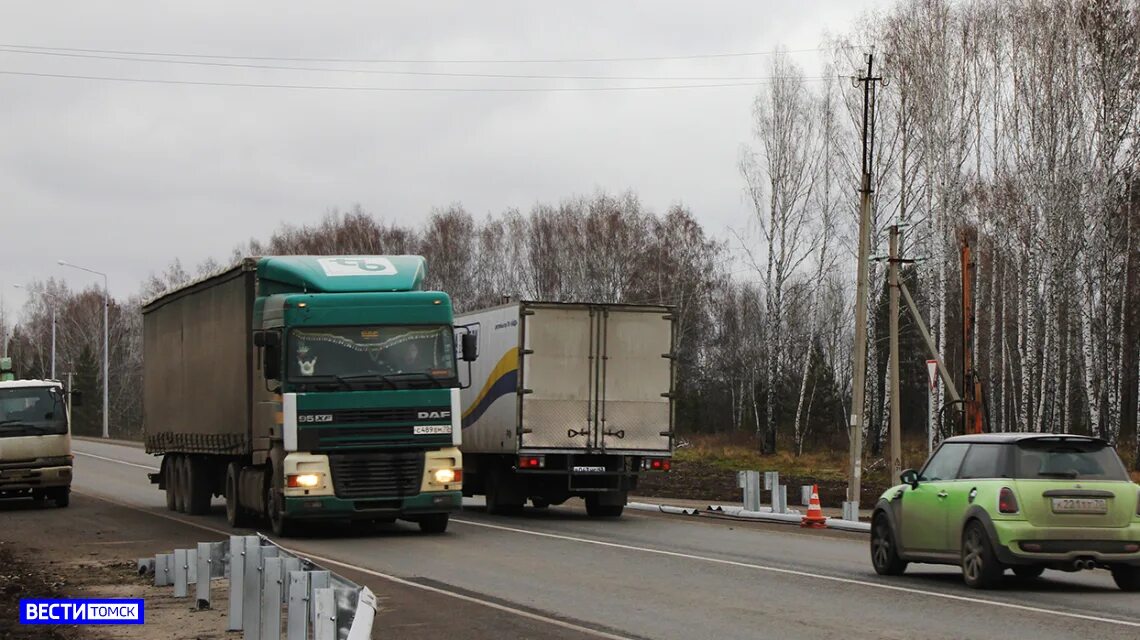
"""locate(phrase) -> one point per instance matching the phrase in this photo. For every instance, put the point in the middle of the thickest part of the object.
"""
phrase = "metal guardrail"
(268, 584)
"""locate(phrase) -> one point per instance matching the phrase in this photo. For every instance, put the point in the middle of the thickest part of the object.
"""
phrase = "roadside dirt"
(695, 480)
(84, 560)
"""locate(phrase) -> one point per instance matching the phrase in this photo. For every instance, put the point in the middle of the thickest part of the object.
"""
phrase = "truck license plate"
(431, 429)
(1080, 505)
(589, 469)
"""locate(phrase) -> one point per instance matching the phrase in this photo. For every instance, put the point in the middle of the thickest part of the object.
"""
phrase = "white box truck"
(566, 400)
(35, 438)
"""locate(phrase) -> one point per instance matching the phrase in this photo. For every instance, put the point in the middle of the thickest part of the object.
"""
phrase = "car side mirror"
(910, 476)
(469, 347)
(76, 398)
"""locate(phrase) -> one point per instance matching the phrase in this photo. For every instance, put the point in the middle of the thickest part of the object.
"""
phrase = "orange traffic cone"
(814, 518)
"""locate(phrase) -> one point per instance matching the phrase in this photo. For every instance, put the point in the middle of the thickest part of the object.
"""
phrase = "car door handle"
(942, 494)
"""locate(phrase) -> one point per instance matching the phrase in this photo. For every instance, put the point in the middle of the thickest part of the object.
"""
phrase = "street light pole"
(106, 339)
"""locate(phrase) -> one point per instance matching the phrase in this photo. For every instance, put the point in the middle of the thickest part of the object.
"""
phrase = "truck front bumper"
(1019, 542)
(21, 480)
(331, 507)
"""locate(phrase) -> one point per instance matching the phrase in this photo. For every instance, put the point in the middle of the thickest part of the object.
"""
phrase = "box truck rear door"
(636, 376)
(558, 372)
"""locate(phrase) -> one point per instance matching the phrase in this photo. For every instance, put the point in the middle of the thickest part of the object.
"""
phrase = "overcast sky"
(124, 177)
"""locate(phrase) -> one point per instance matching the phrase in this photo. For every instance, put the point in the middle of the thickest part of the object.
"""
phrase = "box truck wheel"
(603, 506)
(198, 489)
(435, 523)
(61, 496)
(502, 498)
(236, 515)
(170, 480)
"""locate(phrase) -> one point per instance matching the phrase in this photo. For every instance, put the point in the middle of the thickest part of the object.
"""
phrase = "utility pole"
(896, 419)
(971, 384)
(859, 368)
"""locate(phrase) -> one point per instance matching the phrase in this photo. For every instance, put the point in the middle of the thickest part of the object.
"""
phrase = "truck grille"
(377, 475)
(358, 416)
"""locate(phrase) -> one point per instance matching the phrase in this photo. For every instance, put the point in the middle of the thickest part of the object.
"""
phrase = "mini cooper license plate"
(1080, 505)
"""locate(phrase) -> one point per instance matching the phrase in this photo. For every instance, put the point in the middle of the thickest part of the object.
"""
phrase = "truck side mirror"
(76, 398)
(272, 362)
(469, 347)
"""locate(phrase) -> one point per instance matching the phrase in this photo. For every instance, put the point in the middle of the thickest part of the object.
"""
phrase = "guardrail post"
(205, 573)
(237, 581)
(162, 562)
(297, 623)
(317, 580)
(366, 606)
(324, 627)
(750, 482)
(271, 600)
(251, 589)
(805, 495)
(289, 565)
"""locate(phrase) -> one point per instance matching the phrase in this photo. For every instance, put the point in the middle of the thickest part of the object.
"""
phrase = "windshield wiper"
(433, 379)
(364, 377)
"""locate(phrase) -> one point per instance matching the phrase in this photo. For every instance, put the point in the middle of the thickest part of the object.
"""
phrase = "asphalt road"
(562, 574)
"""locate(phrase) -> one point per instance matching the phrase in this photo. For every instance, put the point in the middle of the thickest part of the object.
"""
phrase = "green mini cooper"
(1027, 502)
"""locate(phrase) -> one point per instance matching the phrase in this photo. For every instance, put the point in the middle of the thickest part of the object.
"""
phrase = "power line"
(5, 49)
(742, 54)
(256, 85)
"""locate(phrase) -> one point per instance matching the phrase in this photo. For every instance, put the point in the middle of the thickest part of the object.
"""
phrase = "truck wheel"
(275, 505)
(183, 484)
(235, 513)
(61, 496)
(595, 509)
(435, 523)
(198, 490)
(170, 479)
(499, 500)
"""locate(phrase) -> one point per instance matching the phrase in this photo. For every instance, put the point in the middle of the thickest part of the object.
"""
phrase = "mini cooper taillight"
(1007, 502)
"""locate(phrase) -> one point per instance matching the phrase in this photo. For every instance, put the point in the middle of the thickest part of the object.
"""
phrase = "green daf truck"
(307, 388)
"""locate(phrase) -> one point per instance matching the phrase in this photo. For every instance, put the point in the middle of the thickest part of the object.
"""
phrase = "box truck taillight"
(656, 464)
(532, 462)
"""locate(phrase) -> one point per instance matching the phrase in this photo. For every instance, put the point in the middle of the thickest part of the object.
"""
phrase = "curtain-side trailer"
(306, 388)
(567, 400)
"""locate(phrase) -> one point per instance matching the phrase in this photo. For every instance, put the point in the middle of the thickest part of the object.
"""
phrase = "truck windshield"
(32, 411)
(392, 356)
(1048, 458)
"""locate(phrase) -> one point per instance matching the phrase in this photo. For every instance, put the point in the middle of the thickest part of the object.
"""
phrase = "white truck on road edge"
(566, 400)
(35, 438)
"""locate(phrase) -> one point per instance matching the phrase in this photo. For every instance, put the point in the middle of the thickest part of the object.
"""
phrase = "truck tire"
(435, 523)
(236, 515)
(500, 501)
(180, 482)
(198, 486)
(595, 508)
(170, 480)
(275, 506)
(61, 496)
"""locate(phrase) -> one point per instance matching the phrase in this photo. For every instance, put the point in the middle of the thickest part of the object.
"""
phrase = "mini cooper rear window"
(1050, 459)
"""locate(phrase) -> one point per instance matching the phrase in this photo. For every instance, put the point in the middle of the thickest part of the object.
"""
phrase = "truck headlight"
(304, 481)
(446, 476)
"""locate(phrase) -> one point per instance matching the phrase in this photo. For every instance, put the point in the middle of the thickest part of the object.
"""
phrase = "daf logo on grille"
(315, 417)
(433, 415)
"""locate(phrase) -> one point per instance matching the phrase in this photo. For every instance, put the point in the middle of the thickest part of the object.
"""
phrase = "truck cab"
(35, 439)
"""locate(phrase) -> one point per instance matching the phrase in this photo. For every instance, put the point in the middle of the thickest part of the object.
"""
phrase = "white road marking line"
(674, 554)
(129, 464)
(459, 596)
(805, 574)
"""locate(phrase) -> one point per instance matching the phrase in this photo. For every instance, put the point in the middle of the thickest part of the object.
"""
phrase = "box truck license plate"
(589, 469)
(431, 429)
